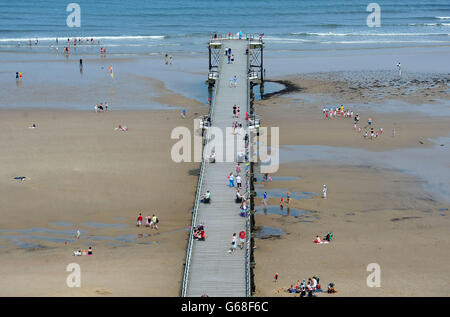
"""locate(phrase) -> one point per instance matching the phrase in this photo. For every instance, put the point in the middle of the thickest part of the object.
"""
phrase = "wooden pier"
(210, 269)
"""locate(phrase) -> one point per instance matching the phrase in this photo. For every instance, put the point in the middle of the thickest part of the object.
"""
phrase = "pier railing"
(248, 290)
(246, 36)
(197, 199)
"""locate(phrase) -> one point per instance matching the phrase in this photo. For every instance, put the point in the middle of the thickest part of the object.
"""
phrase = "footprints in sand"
(103, 291)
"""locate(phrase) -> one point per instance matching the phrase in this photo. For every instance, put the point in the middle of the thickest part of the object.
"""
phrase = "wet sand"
(378, 213)
(82, 174)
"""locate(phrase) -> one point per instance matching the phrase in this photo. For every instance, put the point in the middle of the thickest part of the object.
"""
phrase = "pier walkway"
(210, 268)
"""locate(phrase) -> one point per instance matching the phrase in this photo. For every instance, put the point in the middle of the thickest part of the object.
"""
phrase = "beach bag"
(157, 220)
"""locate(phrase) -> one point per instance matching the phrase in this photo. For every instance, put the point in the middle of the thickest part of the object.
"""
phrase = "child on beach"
(324, 190)
(121, 128)
(139, 220)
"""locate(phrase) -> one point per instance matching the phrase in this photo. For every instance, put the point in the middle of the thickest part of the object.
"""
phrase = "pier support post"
(210, 59)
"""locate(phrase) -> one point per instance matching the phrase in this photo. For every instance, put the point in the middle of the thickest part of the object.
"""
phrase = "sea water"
(149, 27)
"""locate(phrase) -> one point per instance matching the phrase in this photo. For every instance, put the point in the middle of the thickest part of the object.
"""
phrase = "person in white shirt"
(238, 181)
(314, 283)
(233, 243)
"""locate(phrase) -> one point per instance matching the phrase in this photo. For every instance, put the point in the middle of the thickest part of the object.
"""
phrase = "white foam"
(63, 39)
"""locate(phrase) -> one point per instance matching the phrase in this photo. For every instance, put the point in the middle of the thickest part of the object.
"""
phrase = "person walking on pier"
(233, 243)
(242, 239)
(231, 179)
(238, 181)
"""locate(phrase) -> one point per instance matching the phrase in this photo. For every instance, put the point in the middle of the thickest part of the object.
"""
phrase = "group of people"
(327, 239)
(84, 252)
(306, 289)
(309, 288)
(237, 176)
(168, 59)
(100, 108)
(120, 127)
(369, 131)
(151, 222)
(229, 55)
(76, 41)
(236, 111)
(234, 241)
(339, 111)
(283, 200)
(199, 233)
(237, 128)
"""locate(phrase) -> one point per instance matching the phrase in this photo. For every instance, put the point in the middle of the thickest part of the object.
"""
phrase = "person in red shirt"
(242, 238)
(139, 220)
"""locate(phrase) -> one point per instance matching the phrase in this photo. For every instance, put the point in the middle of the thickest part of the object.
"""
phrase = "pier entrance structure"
(210, 269)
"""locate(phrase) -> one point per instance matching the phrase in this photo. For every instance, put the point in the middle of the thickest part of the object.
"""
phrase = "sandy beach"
(377, 212)
(82, 174)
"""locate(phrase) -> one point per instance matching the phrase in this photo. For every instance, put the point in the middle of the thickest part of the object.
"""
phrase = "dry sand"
(79, 169)
(378, 215)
